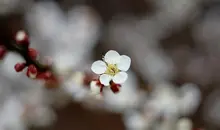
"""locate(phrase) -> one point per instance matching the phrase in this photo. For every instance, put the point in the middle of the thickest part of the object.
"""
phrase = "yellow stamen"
(112, 69)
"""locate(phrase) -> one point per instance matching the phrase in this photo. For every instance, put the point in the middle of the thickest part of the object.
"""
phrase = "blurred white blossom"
(190, 98)
(67, 39)
(184, 124)
(75, 87)
(211, 108)
(186, 100)
(162, 98)
(36, 107)
(172, 14)
(11, 115)
(135, 120)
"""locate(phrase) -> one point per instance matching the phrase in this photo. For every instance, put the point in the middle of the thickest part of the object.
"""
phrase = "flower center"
(112, 69)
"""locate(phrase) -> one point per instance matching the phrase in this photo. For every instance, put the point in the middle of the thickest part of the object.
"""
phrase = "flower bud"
(19, 67)
(96, 87)
(115, 87)
(22, 38)
(32, 53)
(32, 71)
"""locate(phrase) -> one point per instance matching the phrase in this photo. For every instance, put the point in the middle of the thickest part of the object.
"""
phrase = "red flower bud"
(2, 51)
(32, 53)
(32, 71)
(115, 87)
(22, 38)
(19, 67)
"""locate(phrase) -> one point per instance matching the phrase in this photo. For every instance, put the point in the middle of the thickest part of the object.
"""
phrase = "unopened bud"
(115, 87)
(96, 87)
(19, 67)
(32, 71)
(22, 38)
(32, 53)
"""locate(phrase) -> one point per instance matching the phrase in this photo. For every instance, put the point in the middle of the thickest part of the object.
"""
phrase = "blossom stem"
(23, 51)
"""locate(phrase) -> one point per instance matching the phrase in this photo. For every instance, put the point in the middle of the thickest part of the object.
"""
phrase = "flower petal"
(112, 57)
(105, 79)
(99, 67)
(120, 77)
(125, 63)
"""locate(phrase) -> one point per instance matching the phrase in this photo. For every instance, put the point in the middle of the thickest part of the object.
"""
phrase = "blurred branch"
(23, 51)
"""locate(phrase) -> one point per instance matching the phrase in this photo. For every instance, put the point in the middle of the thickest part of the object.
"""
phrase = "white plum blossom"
(113, 67)
(74, 86)
(135, 120)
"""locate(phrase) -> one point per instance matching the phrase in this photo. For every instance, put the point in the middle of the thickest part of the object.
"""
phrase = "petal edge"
(99, 67)
(125, 63)
(112, 57)
(105, 79)
(120, 78)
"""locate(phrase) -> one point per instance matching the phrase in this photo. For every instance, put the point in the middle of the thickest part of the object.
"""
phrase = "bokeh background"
(173, 44)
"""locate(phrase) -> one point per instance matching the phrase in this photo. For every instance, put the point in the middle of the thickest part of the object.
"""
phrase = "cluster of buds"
(112, 72)
(34, 69)
(97, 88)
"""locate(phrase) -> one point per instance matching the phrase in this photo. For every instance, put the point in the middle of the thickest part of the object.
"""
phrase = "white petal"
(125, 63)
(120, 77)
(98, 67)
(112, 57)
(105, 79)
